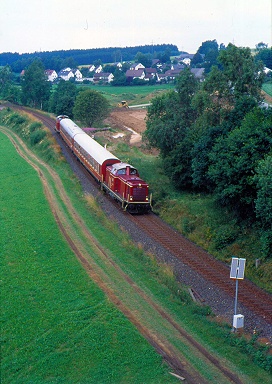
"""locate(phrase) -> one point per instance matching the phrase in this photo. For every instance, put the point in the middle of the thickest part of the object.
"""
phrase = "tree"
(229, 89)
(119, 78)
(169, 122)
(8, 91)
(200, 159)
(186, 86)
(163, 129)
(263, 202)
(197, 60)
(91, 107)
(35, 86)
(170, 114)
(209, 50)
(207, 46)
(265, 55)
(69, 62)
(145, 59)
(62, 100)
(235, 156)
(261, 45)
(244, 75)
(5, 80)
(109, 68)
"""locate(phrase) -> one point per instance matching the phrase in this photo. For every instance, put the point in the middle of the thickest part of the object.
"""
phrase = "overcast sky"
(33, 25)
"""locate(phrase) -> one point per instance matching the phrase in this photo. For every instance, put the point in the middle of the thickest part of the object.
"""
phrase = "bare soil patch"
(131, 121)
(129, 118)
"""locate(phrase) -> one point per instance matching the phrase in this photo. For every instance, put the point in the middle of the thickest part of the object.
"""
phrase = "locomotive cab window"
(133, 171)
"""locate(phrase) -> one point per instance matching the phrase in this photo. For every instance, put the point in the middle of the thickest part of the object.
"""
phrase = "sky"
(32, 25)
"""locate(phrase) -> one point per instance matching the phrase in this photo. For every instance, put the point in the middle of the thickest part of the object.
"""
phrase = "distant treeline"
(57, 59)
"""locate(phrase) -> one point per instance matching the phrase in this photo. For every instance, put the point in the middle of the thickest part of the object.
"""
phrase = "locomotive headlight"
(140, 185)
(131, 198)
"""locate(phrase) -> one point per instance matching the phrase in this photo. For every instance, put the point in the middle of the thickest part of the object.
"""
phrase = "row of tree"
(72, 58)
(214, 137)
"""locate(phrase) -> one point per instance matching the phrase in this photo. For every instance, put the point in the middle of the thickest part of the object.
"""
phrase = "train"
(120, 180)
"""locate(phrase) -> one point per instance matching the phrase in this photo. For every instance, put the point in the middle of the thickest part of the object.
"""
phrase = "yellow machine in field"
(123, 104)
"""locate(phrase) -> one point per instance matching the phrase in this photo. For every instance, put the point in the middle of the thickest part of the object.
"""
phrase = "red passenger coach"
(121, 180)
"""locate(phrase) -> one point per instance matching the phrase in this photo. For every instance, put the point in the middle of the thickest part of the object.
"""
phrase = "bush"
(37, 136)
(34, 126)
(224, 236)
(258, 353)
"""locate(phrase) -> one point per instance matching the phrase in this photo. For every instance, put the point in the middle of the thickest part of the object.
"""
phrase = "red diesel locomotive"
(120, 179)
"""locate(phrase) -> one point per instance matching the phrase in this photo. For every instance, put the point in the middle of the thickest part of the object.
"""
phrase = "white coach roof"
(99, 153)
(70, 127)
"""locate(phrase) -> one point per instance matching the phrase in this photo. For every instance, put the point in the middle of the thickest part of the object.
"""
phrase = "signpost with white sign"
(237, 271)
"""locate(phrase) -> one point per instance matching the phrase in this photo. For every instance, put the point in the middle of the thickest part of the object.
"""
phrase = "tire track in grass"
(105, 281)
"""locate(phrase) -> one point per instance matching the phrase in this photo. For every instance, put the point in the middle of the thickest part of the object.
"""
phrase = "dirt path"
(139, 307)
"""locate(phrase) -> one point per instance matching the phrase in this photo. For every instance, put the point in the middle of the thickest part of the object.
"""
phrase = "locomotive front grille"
(139, 194)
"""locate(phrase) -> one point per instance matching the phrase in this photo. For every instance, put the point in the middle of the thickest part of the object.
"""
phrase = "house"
(135, 74)
(177, 67)
(98, 69)
(77, 73)
(171, 74)
(185, 58)
(136, 66)
(51, 74)
(156, 63)
(119, 65)
(150, 73)
(267, 70)
(66, 74)
(162, 78)
(105, 77)
(199, 73)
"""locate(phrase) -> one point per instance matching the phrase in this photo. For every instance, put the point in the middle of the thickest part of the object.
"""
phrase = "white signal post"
(237, 271)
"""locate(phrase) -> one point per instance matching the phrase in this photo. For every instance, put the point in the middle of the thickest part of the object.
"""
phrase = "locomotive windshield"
(124, 169)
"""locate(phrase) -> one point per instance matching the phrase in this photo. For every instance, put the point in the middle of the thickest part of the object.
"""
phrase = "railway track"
(214, 271)
(203, 263)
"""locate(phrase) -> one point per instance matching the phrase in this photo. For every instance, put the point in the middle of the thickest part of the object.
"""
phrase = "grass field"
(267, 88)
(58, 327)
(138, 94)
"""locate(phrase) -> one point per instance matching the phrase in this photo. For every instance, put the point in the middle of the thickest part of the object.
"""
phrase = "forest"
(57, 59)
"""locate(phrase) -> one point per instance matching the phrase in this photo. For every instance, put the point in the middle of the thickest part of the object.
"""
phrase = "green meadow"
(136, 94)
(57, 326)
(267, 87)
